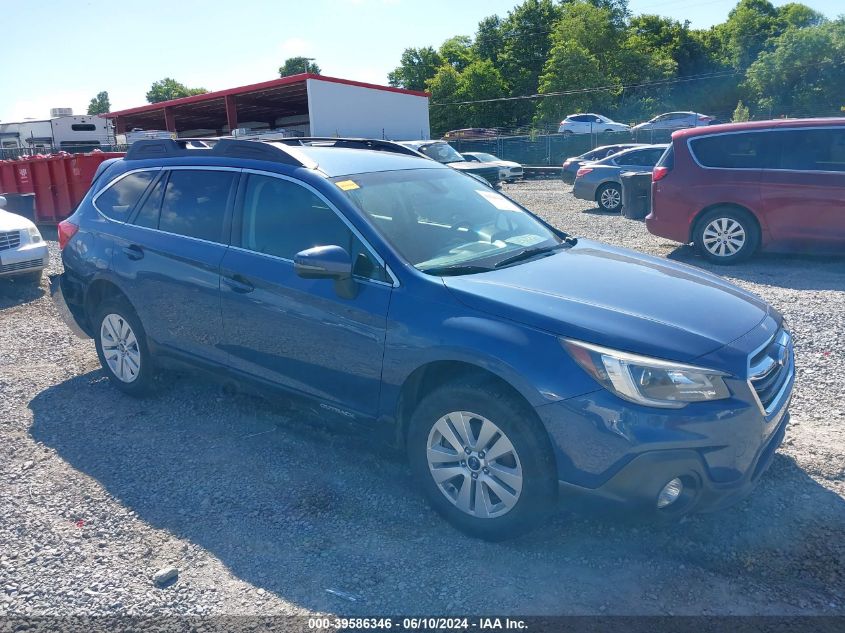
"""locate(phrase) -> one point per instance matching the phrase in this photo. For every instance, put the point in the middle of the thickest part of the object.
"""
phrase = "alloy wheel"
(724, 237)
(474, 464)
(610, 198)
(120, 348)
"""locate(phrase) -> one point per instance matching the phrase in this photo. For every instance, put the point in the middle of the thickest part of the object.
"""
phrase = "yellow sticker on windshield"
(347, 185)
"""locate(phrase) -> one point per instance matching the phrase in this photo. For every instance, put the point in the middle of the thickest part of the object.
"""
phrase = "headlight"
(34, 235)
(648, 381)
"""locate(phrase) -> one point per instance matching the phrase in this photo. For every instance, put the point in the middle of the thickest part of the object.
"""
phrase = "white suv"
(590, 124)
(23, 253)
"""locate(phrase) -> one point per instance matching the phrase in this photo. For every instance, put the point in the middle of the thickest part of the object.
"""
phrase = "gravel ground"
(265, 510)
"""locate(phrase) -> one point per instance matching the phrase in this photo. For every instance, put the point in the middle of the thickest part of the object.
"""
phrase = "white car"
(508, 170)
(23, 252)
(590, 124)
(676, 121)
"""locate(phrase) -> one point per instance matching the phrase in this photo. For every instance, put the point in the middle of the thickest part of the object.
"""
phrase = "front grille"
(770, 370)
(32, 263)
(9, 239)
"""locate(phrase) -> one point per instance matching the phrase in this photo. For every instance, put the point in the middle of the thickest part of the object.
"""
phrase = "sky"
(123, 47)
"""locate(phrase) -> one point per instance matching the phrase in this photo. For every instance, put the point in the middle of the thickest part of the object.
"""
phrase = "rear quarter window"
(118, 200)
(748, 150)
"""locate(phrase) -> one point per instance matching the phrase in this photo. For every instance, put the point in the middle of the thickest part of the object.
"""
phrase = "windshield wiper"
(456, 269)
(528, 253)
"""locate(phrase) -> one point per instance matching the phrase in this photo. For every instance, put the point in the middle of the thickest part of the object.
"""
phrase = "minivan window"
(812, 149)
(282, 218)
(195, 203)
(117, 201)
(747, 150)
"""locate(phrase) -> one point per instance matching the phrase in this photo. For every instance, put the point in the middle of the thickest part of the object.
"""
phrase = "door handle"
(134, 252)
(239, 284)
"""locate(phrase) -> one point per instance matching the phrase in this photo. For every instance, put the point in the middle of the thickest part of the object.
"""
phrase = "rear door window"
(812, 150)
(117, 201)
(750, 150)
(195, 203)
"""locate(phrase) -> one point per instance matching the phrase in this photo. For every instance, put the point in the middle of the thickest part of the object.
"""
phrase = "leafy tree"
(100, 104)
(741, 113)
(489, 40)
(444, 88)
(799, 16)
(750, 25)
(457, 52)
(481, 80)
(803, 74)
(416, 67)
(167, 89)
(297, 66)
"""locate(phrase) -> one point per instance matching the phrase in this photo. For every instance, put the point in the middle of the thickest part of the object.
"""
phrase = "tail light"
(659, 173)
(67, 230)
(567, 163)
(583, 172)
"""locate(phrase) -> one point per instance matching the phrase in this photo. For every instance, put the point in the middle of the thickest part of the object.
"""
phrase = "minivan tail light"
(659, 173)
(583, 172)
(67, 230)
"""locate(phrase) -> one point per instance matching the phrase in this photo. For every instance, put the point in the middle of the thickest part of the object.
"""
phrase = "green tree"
(479, 81)
(799, 16)
(416, 67)
(803, 74)
(741, 113)
(748, 29)
(297, 66)
(444, 88)
(167, 89)
(457, 52)
(100, 104)
(488, 39)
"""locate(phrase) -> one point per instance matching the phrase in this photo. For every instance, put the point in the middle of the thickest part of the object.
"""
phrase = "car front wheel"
(483, 460)
(122, 347)
(726, 235)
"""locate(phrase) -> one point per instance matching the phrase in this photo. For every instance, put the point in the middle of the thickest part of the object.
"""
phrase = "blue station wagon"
(510, 360)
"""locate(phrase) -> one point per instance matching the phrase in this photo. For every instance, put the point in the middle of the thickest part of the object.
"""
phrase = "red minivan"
(771, 185)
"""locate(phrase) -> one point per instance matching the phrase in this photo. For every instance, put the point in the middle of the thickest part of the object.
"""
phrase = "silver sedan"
(600, 181)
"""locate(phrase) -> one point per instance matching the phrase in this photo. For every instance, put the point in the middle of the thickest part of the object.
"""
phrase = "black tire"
(142, 383)
(528, 438)
(609, 192)
(710, 241)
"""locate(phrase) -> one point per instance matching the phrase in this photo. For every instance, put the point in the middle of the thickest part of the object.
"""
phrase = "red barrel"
(60, 185)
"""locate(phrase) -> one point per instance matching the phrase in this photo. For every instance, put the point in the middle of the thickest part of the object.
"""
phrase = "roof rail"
(347, 143)
(230, 148)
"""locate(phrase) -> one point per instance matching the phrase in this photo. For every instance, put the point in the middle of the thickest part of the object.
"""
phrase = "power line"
(563, 93)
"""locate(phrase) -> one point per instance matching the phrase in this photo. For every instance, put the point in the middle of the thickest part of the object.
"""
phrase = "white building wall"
(337, 109)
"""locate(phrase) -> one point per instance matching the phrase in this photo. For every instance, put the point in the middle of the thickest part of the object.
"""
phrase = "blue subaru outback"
(511, 360)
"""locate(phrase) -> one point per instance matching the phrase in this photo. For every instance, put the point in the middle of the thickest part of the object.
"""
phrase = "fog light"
(670, 493)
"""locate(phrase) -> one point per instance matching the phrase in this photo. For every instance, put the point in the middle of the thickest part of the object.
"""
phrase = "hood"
(13, 222)
(617, 298)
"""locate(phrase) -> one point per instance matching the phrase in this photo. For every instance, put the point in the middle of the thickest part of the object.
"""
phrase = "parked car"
(444, 153)
(573, 164)
(590, 124)
(23, 253)
(675, 121)
(768, 185)
(509, 171)
(600, 181)
(506, 357)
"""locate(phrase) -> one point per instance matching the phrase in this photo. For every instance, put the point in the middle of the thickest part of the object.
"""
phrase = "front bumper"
(28, 258)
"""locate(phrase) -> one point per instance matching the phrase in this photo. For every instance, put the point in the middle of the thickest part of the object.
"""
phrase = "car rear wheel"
(609, 197)
(122, 347)
(483, 460)
(726, 235)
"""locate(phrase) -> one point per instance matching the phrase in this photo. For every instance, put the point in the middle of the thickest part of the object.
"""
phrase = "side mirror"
(2, 202)
(327, 262)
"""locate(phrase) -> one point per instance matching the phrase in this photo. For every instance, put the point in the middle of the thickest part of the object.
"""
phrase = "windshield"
(439, 218)
(486, 158)
(442, 153)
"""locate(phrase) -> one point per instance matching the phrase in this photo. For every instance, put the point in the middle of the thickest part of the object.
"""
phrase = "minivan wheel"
(122, 347)
(609, 197)
(726, 235)
(483, 460)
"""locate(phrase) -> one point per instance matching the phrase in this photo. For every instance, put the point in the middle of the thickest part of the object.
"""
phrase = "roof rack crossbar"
(348, 143)
(230, 148)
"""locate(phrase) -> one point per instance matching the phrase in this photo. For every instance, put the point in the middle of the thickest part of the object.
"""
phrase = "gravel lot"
(263, 509)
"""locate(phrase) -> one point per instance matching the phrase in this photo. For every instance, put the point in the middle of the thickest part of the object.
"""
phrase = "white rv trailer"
(80, 133)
